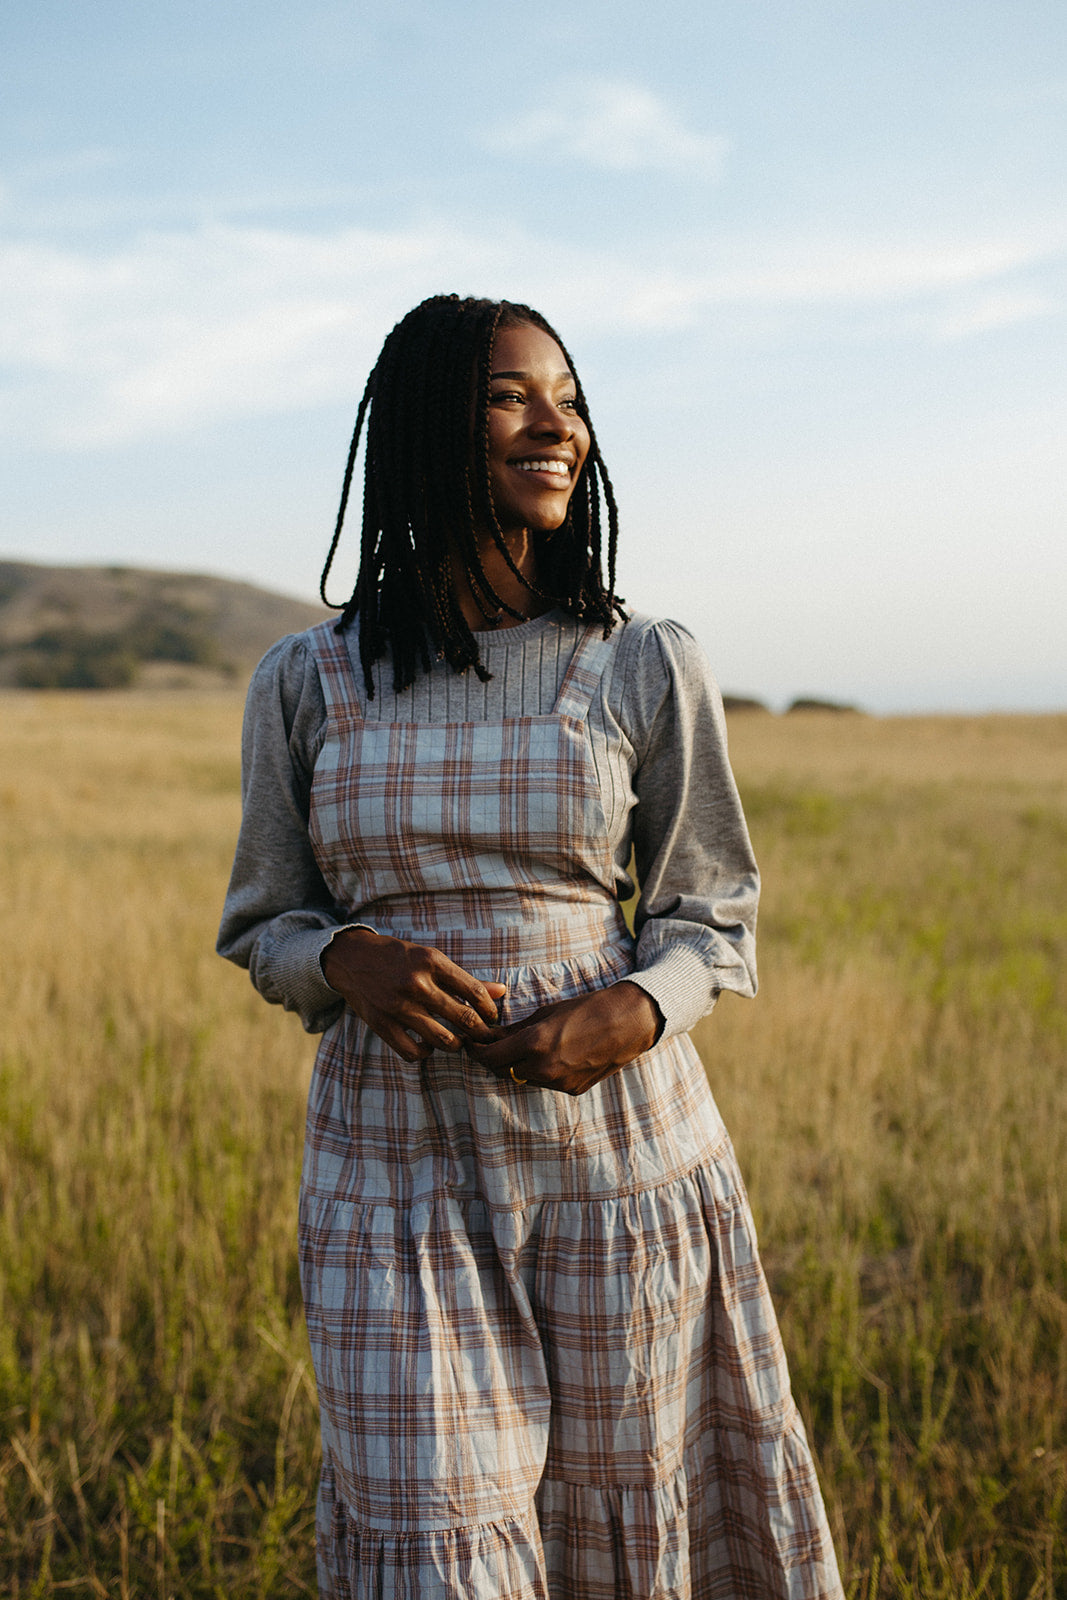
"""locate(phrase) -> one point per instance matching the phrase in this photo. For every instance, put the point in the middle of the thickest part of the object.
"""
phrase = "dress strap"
(340, 688)
(584, 673)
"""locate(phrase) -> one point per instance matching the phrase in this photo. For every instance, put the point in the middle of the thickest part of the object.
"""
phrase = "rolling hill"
(119, 627)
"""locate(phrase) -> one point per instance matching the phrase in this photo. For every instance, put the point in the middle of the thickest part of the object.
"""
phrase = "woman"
(546, 1358)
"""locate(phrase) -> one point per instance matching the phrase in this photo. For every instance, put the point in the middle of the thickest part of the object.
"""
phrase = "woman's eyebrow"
(561, 376)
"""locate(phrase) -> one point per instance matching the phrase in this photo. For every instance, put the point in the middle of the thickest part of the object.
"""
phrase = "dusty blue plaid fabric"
(547, 1361)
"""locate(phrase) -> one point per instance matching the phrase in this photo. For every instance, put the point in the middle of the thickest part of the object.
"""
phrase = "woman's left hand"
(572, 1044)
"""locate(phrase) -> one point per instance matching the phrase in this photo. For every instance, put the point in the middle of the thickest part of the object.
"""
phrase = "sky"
(809, 258)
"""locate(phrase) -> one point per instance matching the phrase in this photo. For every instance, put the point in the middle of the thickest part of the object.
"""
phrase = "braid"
(426, 492)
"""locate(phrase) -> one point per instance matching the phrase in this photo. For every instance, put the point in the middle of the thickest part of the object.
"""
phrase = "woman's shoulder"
(288, 658)
(288, 676)
(660, 647)
(661, 679)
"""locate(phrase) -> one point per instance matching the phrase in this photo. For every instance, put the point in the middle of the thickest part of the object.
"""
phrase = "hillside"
(116, 627)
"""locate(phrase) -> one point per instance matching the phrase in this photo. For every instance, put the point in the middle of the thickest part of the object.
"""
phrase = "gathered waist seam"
(719, 1147)
(516, 948)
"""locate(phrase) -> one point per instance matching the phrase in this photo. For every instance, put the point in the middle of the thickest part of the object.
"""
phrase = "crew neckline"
(522, 631)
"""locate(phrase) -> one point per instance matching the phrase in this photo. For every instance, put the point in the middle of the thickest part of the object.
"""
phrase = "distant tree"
(820, 705)
(68, 659)
(742, 702)
(73, 657)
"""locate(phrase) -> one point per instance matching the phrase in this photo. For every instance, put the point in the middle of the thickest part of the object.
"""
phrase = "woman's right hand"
(399, 989)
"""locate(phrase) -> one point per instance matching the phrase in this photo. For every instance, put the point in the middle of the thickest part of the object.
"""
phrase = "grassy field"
(897, 1094)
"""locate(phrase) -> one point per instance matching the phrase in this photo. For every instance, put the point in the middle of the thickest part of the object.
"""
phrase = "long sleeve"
(699, 885)
(279, 915)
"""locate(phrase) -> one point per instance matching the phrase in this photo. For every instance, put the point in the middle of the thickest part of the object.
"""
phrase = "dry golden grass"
(899, 1100)
(897, 1094)
(846, 751)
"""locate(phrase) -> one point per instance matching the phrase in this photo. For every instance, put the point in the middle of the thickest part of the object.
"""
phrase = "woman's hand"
(572, 1044)
(399, 989)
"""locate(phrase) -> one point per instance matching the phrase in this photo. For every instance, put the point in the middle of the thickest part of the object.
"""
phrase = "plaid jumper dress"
(547, 1362)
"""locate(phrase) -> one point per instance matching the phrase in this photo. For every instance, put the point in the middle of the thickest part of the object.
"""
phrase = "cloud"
(993, 311)
(835, 275)
(840, 270)
(179, 330)
(611, 124)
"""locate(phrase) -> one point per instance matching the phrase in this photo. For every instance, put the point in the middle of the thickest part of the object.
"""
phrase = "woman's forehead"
(523, 349)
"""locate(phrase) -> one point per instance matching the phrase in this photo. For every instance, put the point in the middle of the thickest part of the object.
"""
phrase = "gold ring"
(517, 1080)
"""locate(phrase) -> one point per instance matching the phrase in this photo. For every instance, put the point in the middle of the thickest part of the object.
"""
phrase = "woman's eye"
(517, 397)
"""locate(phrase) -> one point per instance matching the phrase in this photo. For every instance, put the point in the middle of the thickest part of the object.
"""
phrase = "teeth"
(559, 467)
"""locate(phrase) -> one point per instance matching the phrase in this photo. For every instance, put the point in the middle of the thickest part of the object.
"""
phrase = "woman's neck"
(515, 592)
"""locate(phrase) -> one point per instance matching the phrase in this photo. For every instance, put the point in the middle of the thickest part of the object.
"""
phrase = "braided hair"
(426, 489)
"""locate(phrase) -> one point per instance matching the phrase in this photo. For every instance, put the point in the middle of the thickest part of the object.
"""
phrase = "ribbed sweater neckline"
(522, 632)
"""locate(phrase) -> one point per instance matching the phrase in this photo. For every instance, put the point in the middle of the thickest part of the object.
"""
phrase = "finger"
(440, 1021)
(501, 1054)
(436, 1035)
(458, 984)
(463, 1019)
(430, 1029)
(400, 1041)
(491, 1035)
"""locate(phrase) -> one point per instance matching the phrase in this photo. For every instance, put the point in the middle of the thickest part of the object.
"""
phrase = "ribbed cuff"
(298, 975)
(679, 982)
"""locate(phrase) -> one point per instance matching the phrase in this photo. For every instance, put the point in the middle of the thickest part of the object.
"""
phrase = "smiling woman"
(547, 1361)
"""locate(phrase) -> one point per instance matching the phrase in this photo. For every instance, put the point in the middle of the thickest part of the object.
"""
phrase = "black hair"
(426, 490)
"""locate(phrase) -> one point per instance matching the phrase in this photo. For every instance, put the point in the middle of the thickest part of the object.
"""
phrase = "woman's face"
(537, 441)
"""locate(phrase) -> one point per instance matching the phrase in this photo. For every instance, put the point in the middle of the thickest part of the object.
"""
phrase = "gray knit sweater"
(657, 705)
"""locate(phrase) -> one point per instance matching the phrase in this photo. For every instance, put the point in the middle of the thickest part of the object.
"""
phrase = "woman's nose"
(550, 418)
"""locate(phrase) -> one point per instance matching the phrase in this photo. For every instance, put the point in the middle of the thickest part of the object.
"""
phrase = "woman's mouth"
(555, 472)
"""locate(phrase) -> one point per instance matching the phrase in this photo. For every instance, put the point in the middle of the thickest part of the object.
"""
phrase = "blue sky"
(809, 257)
